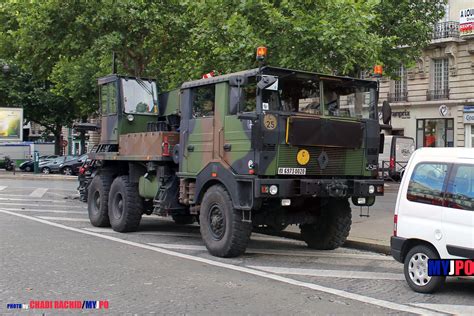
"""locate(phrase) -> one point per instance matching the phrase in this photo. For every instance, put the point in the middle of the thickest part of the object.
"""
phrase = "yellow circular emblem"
(270, 121)
(303, 157)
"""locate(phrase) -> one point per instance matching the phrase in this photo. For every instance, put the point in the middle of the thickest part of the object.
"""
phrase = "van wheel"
(331, 228)
(125, 205)
(222, 229)
(98, 199)
(416, 270)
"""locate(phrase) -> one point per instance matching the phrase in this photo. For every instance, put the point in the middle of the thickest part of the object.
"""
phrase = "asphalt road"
(49, 251)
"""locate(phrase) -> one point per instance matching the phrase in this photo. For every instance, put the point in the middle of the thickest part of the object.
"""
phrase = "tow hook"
(337, 189)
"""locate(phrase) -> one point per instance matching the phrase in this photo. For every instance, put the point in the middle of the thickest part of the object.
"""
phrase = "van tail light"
(165, 146)
(395, 221)
(392, 163)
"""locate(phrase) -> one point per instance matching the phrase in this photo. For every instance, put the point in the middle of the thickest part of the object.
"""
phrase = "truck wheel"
(125, 205)
(331, 228)
(416, 270)
(222, 229)
(98, 199)
(184, 219)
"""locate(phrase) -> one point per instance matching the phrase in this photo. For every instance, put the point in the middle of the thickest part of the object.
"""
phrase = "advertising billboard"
(466, 22)
(11, 124)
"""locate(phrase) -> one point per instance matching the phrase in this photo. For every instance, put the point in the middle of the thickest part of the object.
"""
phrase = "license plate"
(293, 171)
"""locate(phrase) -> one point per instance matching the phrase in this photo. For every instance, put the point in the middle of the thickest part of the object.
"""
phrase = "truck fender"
(240, 187)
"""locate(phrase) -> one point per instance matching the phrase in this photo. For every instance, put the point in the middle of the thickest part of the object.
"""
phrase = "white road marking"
(43, 204)
(67, 219)
(2, 187)
(40, 211)
(277, 252)
(38, 193)
(111, 231)
(344, 294)
(29, 199)
(448, 309)
(346, 274)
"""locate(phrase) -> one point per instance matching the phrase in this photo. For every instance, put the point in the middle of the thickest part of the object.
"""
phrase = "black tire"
(28, 169)
(45, 170)
(98, 200)
(416, 270)
(67, 171)
(331, 228)
(125, 205)
(184, 219)
(222, 229)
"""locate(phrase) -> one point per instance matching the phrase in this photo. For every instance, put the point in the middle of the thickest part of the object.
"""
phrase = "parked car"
(71, 167)
(397, 150)
(52, 166)
(29, 165)
(434, 213)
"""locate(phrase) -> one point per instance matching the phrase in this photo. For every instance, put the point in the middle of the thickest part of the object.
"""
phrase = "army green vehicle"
(266, 147)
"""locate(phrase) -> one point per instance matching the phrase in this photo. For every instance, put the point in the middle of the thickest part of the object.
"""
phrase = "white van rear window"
(460, 191)
(426, 183)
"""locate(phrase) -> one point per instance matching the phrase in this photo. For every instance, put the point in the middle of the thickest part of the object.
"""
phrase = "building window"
(435, 133)
(399, 90)
(440, 79)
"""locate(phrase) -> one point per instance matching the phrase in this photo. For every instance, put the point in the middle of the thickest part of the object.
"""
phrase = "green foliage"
(69, 44)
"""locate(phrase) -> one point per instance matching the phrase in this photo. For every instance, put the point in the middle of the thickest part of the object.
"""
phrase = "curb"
(350, 243)
(20, 176)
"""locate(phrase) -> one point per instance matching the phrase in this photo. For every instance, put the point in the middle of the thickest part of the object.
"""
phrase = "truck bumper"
(288, 188)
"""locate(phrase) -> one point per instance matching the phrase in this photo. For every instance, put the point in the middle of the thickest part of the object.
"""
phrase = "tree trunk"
(57, 140)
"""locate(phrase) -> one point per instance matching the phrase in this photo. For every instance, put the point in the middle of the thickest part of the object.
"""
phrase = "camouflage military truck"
(262, 147)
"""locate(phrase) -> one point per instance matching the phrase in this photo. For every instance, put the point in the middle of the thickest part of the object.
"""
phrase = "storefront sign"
(469, 118)
(443, 110)
(466, 22)
(401, 114)
(469, 109)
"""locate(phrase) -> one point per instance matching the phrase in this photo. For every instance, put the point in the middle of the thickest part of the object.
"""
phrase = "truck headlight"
(273, 190)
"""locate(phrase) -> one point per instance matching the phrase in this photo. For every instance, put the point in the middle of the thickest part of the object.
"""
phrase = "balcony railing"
(441, 94)
(446, 30)
(398, 97)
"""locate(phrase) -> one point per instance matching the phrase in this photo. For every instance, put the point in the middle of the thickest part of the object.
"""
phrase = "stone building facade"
(433, 102)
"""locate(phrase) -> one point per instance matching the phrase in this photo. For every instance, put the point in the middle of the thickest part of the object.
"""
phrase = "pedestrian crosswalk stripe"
(2, 188)
(347, 274)
(30, 199)
(41, 210)
(68, 219)
(38, 192)
(40, 203)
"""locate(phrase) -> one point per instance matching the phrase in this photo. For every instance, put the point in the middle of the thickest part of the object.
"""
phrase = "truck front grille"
(341, 161)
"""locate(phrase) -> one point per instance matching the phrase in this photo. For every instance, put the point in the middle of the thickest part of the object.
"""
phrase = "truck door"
(108, 106)
(235, 146)
(197, 134)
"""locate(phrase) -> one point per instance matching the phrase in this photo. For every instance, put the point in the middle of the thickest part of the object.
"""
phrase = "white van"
(434, 213)
(397, 150)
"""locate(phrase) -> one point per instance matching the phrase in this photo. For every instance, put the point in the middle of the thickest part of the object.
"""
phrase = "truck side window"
(426, 183)
(203, 99)
(460, 191)
(108, 98)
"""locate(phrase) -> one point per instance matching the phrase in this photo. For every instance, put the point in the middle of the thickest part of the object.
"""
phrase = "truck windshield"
(139, 96)
(342, 98)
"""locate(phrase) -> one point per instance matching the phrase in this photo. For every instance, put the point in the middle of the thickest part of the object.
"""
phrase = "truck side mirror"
(386, 113)
(266, 81)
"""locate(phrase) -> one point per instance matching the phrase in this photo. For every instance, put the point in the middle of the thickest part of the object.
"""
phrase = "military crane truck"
(267, 146)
